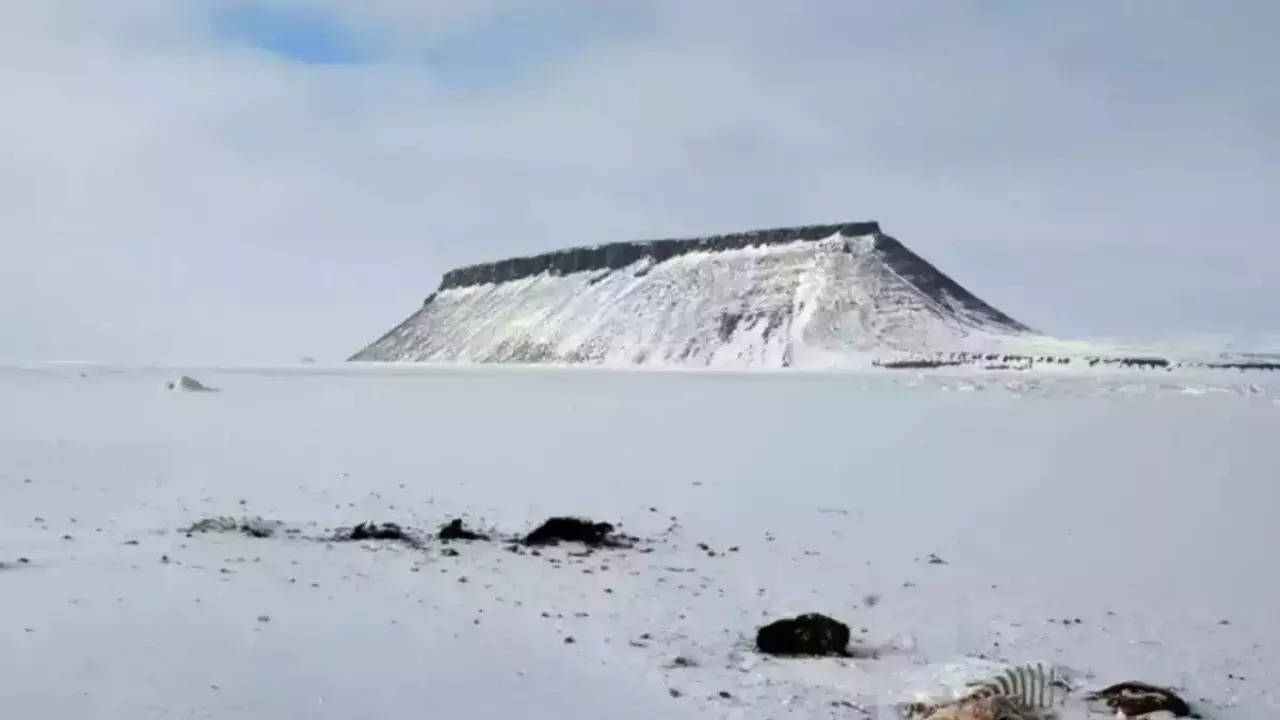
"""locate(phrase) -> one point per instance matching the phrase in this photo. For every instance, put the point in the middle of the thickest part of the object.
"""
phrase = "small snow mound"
(189, 384)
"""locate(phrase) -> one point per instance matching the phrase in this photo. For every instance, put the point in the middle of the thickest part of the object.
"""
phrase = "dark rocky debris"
(915, 364)
(1149, 363)
(580, 530)
(987, 361)
(997, 361)
(253, 527)
(379, 531)
(1249, 365)
(455, 530)
(1135, 699)
(811, 634)
(213, 524)
(259, 528)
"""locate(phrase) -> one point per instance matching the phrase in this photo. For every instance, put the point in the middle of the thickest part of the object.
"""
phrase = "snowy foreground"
(1142, 504)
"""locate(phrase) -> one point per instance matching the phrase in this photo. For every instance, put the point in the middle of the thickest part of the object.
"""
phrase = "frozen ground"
(1142, 503)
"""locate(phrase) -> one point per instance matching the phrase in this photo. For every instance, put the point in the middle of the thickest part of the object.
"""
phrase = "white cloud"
(168, 194)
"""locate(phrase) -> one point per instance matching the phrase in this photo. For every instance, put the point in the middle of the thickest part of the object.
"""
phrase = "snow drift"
(819, 295)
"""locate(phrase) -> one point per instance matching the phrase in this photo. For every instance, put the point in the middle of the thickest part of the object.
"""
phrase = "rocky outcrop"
(621, 254)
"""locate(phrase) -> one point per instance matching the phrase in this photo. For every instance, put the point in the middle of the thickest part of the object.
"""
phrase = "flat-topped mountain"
(819, 295)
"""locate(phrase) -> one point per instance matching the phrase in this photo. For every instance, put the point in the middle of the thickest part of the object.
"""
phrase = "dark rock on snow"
(579, 530)
(213, 524)
(454, 530)
(379, 531)
(1134, 699)
(808, 634)
(253, 527)
(259, 528)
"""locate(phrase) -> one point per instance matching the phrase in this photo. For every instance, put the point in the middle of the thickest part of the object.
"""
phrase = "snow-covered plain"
(1141, 503)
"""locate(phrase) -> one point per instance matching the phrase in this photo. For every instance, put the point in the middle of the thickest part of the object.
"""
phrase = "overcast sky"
(257, 180)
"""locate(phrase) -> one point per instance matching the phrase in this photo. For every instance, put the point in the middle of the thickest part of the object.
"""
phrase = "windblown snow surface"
(815, 296)
(1142, 504)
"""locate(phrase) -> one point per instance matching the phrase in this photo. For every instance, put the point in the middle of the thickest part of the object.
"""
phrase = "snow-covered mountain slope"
(825, 295)
(1142, 505)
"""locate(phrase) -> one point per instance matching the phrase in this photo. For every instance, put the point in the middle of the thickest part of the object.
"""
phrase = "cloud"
(255, 181)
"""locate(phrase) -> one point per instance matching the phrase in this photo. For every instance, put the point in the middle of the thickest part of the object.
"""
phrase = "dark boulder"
(1135, 699)
(579, 530)
(454, 530)
(810, 634)
(377, 531)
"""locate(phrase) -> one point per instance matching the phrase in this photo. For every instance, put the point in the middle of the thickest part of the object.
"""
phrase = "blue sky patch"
(496, 51)
(306, 35)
